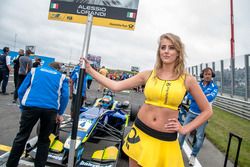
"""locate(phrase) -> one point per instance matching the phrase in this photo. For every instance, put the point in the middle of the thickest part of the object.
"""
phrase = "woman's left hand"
(174, 125)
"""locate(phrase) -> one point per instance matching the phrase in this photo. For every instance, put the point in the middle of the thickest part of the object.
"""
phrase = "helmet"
(106, 99)
(106, 102)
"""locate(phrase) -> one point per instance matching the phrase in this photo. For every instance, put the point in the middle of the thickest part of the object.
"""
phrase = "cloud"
(204, 27)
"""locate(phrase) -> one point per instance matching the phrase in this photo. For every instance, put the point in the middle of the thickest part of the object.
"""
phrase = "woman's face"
(168, 53)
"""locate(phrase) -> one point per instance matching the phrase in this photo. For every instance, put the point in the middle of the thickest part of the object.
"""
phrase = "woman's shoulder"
(145, 74)
(189, 80)
(187, 75)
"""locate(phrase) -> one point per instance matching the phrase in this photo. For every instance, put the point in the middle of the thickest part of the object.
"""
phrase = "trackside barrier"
(238, 149)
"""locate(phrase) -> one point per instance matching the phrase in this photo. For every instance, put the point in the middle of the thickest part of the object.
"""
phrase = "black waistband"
(38, 109)
(154, 133)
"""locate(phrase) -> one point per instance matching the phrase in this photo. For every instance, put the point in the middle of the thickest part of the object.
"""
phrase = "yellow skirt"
(148, 151)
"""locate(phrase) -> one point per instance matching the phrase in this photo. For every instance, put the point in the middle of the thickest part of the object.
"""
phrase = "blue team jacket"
(75, 77)
(45, 87)
(210, 92)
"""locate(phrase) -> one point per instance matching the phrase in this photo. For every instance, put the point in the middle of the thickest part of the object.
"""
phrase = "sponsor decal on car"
(93, 164)
(55, 156)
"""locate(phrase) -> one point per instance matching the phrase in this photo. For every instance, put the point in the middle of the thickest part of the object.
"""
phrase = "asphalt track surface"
(209, 155)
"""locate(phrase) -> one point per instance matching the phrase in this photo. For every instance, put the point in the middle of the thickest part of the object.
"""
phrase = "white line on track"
(188, 151)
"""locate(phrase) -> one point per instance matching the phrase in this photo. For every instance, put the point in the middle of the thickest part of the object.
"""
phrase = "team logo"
(69, 17)
(57, 15)
(131, 26)
(132, 138)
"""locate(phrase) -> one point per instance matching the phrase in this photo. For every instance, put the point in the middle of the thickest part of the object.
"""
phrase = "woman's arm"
(117, 86)
(201, 100)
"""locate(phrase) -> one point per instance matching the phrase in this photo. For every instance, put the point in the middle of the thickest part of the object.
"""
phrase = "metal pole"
(79, 92)
(15, 42)
(232, 77)
(213, 66)
(232, 49)
(222, 76)
(228, 148)
(238, 151)
(232, 29)
(196, 71)
(247, 79)
(70, 55)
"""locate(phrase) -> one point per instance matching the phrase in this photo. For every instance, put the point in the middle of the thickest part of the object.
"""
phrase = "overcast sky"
(204, 27)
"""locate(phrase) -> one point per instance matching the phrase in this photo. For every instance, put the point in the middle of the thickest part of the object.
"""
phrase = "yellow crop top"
(164, 93)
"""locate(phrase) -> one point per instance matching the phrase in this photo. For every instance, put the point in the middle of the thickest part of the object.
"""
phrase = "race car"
(101, 124)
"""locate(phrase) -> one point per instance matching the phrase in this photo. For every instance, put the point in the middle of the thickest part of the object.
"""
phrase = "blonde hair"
(179, 67)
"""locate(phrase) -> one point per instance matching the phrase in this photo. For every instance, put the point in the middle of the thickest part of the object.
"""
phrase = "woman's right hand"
(87, 65)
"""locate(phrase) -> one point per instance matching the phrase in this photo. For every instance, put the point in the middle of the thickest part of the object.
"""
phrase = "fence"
(232, 82)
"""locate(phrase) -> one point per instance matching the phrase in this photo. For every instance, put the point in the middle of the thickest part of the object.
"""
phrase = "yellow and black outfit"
(149, 147)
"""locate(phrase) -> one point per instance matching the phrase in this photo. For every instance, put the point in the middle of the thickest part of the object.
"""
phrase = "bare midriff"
(156, 117)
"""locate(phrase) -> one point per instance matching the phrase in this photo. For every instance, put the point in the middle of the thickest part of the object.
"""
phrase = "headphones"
(206, 69)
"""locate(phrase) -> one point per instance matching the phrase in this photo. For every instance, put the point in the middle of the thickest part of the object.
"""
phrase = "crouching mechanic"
(210, 90)
(44, 96)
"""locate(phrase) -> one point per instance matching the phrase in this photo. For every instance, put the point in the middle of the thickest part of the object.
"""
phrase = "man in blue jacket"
(43, 95)
(210, 90)
(74, 78)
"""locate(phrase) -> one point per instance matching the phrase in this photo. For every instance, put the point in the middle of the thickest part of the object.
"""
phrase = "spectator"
(43, 96)
(37, 62)
(5, 69)
(89, 80)
(210, 90)
(74, 78)
(104, 72)
(16, 67)
(124, 76)
(110, 76)
(25, 66)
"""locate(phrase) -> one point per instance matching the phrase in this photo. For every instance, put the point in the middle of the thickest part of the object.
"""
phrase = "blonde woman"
(152, 140)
